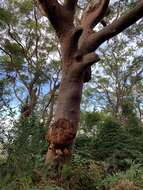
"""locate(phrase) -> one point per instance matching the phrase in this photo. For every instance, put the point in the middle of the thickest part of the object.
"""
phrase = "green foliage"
(25, 152)
(116, 142)
(5, 17)
(83, 146)
(134, 174)
(26, 6)
(108, 140)
(86, 175)
(132, 122)
(13, 48)
(14, 60)
(101, 159)
(66, 171)
(53, 188)
(29, 143)
(89, 120)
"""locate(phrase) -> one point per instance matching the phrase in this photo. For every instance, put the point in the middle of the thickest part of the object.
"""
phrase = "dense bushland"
(107, 156)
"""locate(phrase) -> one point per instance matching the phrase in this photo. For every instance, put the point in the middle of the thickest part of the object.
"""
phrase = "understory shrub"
(25, 153)
(131, 179)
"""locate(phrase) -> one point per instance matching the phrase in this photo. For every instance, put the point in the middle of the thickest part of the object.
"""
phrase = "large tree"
(78, 44)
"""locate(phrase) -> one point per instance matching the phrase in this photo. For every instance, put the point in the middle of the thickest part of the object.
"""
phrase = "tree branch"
(16, 95)
(89, 59)
(52, 10)
(96, 39)
(71, 4)
(59, 17)
(37, 39)
(94, 14)
(20, 45)
(11, 59)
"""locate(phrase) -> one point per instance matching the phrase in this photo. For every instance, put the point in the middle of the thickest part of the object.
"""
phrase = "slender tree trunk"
(30, 103)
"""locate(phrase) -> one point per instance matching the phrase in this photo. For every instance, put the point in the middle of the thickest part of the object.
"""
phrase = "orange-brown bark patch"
(61, 133)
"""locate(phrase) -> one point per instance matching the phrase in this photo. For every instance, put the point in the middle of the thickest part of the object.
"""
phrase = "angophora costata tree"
(78, 45)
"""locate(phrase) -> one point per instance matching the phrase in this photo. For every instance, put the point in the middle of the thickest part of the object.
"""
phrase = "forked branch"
(94, 14)
(56, 13)
(96, 39)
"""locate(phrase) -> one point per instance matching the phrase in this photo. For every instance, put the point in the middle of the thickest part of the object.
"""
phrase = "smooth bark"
(78, 45)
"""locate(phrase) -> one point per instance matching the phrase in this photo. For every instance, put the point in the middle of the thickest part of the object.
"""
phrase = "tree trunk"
(62, 132)
(78, 45)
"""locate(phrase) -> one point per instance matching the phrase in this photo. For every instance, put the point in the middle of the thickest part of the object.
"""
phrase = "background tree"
(26, 55)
